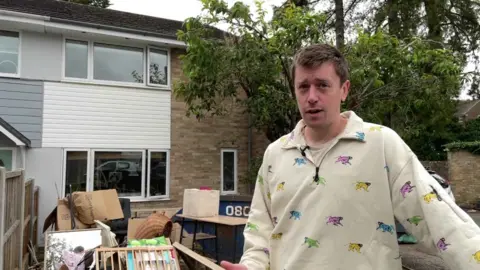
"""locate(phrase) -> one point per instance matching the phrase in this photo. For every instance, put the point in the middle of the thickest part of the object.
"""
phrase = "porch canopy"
(13, 134)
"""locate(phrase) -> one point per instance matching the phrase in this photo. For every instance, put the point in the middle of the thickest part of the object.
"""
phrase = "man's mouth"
(314, 111)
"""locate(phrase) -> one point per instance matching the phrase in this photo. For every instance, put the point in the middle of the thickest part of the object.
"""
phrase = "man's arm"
(426, 211)
(259, 227)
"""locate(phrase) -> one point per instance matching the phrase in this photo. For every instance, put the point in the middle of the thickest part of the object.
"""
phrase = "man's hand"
(230, 266)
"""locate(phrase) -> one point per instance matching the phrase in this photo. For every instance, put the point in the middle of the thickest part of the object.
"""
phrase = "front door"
(6, 158)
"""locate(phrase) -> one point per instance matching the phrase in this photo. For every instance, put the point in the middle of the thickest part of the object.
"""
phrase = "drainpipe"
(249, 147)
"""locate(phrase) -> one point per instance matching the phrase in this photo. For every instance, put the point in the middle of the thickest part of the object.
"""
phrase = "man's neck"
(315, 137)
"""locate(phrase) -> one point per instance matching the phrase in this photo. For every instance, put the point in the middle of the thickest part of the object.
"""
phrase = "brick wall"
(464, 174)
(441, 167)
(195, 154)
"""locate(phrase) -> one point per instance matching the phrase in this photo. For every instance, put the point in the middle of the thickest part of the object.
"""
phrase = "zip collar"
(353, 131)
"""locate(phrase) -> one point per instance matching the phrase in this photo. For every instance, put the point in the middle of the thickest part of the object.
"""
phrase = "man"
(328, 193)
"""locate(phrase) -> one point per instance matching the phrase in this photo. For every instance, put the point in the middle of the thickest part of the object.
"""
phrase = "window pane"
(76, 59)
(158, 66)
(6, 159)
(9, 47)
(118, 170)
(76, 171)
(117, 63)
(229, 171)
(158, 173)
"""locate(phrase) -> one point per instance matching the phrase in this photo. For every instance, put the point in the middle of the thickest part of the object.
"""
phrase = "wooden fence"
(18, 218)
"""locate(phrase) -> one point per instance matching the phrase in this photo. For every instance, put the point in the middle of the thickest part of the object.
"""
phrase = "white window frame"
(145, 171)
(167, 176)
(167, 50)
(90, 72)
(235, 179)
(15, 75)
(64, 167)
(14, 155)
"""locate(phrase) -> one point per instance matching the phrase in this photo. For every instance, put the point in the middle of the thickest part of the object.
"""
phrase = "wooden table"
(217, 220)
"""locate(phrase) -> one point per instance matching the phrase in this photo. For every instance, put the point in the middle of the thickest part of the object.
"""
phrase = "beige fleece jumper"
(339, 213)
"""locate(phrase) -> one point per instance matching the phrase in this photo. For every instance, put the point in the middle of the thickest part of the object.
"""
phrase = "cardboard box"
(201, 203)
(92, 204)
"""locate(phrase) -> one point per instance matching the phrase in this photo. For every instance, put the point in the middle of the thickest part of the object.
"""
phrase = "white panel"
(91, 116)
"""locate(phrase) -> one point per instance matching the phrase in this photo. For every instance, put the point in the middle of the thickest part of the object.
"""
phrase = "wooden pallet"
(145, 258)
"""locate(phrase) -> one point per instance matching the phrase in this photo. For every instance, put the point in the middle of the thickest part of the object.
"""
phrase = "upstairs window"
(116, 64)
(9, 53)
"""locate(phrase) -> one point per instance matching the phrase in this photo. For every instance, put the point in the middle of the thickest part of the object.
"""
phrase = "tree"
(406, 85)
(93, 3)
(250, 66)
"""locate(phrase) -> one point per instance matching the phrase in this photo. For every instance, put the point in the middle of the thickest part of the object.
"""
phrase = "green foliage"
(406, 86)
(250, 66)
(467, 138)
(93, 3)
(252, 173)
(472, 147)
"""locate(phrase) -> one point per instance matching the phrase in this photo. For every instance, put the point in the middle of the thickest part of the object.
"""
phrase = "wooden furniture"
(145, 258)
(233, 222)
(203, 260)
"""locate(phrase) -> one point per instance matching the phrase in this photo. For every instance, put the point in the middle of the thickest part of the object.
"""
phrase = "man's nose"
(312, 95)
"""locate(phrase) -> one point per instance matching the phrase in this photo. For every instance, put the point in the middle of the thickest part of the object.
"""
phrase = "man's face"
(319, 94)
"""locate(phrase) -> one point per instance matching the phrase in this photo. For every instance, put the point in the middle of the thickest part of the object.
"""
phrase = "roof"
(13, 134)
(464, 106)
(72, 13)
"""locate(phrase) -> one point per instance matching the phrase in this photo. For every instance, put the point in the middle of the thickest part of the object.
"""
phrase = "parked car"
(445, 185)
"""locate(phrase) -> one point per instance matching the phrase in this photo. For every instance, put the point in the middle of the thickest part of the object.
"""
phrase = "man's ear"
(345, 89)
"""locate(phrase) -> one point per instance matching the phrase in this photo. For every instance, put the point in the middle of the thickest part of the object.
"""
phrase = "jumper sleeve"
(427, 212)
(259, 227)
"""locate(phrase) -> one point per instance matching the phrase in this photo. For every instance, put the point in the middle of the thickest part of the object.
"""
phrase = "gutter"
(46, 21)
(24, 15)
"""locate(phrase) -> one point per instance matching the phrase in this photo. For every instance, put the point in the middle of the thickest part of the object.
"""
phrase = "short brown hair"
(315, 55)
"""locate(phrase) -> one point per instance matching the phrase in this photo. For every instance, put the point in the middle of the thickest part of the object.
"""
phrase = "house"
(468, 110)
(86, 103)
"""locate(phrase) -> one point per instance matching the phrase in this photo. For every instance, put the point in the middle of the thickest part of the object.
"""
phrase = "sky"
(182, 9)
(171, 9)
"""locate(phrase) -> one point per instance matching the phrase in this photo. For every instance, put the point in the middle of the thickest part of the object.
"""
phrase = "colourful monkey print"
(415, 220)
(270, 168)
(311, 242)
(295, 215)
(319, 180)
(362, 185)
(281, 186)
(385, 227)
(387, 168)
(277, 236)
(252, 227)
(355, 247)
(335, 220)
(406, 188)
(376, 128)
(275, 221)
(429, 197)
(299, 162)
(260, 179)
(269, 195)
(344, 160)
(476, 256)
(442, 245)
(360, 136)
(266, 250)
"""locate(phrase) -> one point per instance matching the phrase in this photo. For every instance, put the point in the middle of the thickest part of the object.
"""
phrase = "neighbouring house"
(468, 110)
(86, 102)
